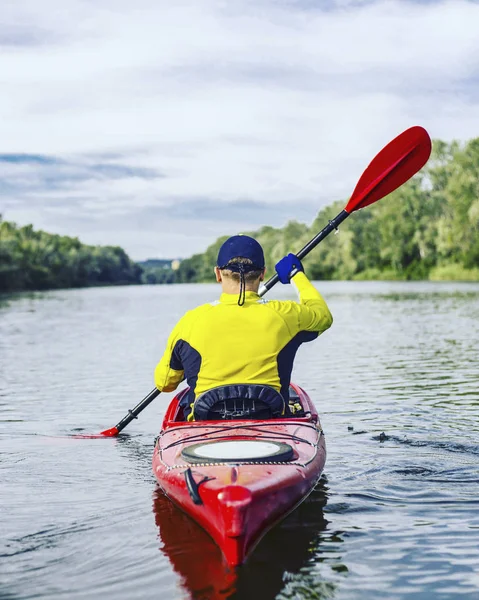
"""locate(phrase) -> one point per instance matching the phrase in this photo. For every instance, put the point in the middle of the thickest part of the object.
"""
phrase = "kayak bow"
(238, 478)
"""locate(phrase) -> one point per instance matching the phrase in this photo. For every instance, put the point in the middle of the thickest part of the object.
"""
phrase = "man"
(242, 339)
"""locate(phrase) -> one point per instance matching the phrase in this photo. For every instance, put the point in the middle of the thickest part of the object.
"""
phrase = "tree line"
(36, 260)
(427, 229)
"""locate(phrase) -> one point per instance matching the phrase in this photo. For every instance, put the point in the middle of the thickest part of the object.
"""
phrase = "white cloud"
(272, 102)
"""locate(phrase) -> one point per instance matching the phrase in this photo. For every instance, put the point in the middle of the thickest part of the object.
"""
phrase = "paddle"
(132, 414)
(397, 162)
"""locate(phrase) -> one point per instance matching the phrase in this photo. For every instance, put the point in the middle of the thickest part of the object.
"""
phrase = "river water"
(396, 513)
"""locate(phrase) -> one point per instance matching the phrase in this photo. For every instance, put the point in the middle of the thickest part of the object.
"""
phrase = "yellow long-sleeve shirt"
(223, 343)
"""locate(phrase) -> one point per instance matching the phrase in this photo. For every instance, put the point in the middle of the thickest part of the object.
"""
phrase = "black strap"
(242, 292)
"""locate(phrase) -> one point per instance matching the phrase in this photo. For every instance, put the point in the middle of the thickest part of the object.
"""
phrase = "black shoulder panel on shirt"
(286, 358)
(185, 358)
(175, 360)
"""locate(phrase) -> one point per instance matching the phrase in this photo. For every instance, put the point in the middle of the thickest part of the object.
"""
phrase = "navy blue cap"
(241, 246)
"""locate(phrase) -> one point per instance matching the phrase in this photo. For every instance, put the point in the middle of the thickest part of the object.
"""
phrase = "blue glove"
(288, 267)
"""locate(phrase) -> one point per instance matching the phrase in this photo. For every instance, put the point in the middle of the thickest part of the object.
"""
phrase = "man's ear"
(261, 277)
(219, 279)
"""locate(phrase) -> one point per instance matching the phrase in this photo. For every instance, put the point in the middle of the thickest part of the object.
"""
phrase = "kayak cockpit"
(240, 402)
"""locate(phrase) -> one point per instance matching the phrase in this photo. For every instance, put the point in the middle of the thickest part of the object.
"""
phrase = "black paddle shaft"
(333, 224)
(133, 414)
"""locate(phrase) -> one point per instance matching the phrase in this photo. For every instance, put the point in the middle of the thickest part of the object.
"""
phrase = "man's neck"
(229, 287)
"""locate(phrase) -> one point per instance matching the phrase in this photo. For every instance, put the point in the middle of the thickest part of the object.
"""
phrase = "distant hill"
(155, 263)
(160, 270)
(36, 260)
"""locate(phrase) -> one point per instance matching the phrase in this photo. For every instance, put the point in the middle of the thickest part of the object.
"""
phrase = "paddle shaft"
(332, 225)
(133, 414)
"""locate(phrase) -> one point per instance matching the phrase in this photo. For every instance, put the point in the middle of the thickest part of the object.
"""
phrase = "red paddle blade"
(110, 432)
(397, 162)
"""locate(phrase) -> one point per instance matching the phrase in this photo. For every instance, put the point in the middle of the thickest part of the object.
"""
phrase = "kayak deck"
(238, 478)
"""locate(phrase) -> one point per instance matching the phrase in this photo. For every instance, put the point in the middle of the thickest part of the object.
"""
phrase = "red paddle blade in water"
(397, 162)
(112, 432)
(79, 435)
(91, 436)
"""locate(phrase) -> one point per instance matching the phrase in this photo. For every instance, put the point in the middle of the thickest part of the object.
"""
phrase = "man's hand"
(287, 267)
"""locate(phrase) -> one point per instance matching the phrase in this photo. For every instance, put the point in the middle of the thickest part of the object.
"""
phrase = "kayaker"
(242, 339)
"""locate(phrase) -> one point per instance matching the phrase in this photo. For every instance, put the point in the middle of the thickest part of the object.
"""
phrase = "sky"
(160, 126)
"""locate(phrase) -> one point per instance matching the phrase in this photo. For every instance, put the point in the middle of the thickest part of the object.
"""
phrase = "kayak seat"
(241, 401)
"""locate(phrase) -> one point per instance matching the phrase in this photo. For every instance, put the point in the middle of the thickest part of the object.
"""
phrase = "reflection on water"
(192, 553)
(286, 552)
(283, 563)
(396, 382)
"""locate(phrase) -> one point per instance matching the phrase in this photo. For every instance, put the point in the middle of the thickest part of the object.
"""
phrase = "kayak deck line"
(239, 463)
(225, 434)
(232, 428)
(290, 438)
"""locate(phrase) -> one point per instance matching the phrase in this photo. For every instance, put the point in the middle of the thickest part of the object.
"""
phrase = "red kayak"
(239, 477)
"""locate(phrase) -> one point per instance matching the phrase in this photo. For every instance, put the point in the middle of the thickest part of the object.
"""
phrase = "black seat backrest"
(242, 401)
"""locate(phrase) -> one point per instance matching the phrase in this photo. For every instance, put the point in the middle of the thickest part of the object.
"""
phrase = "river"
(395, 515)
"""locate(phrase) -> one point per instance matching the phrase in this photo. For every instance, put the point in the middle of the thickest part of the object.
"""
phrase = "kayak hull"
(236, 500)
